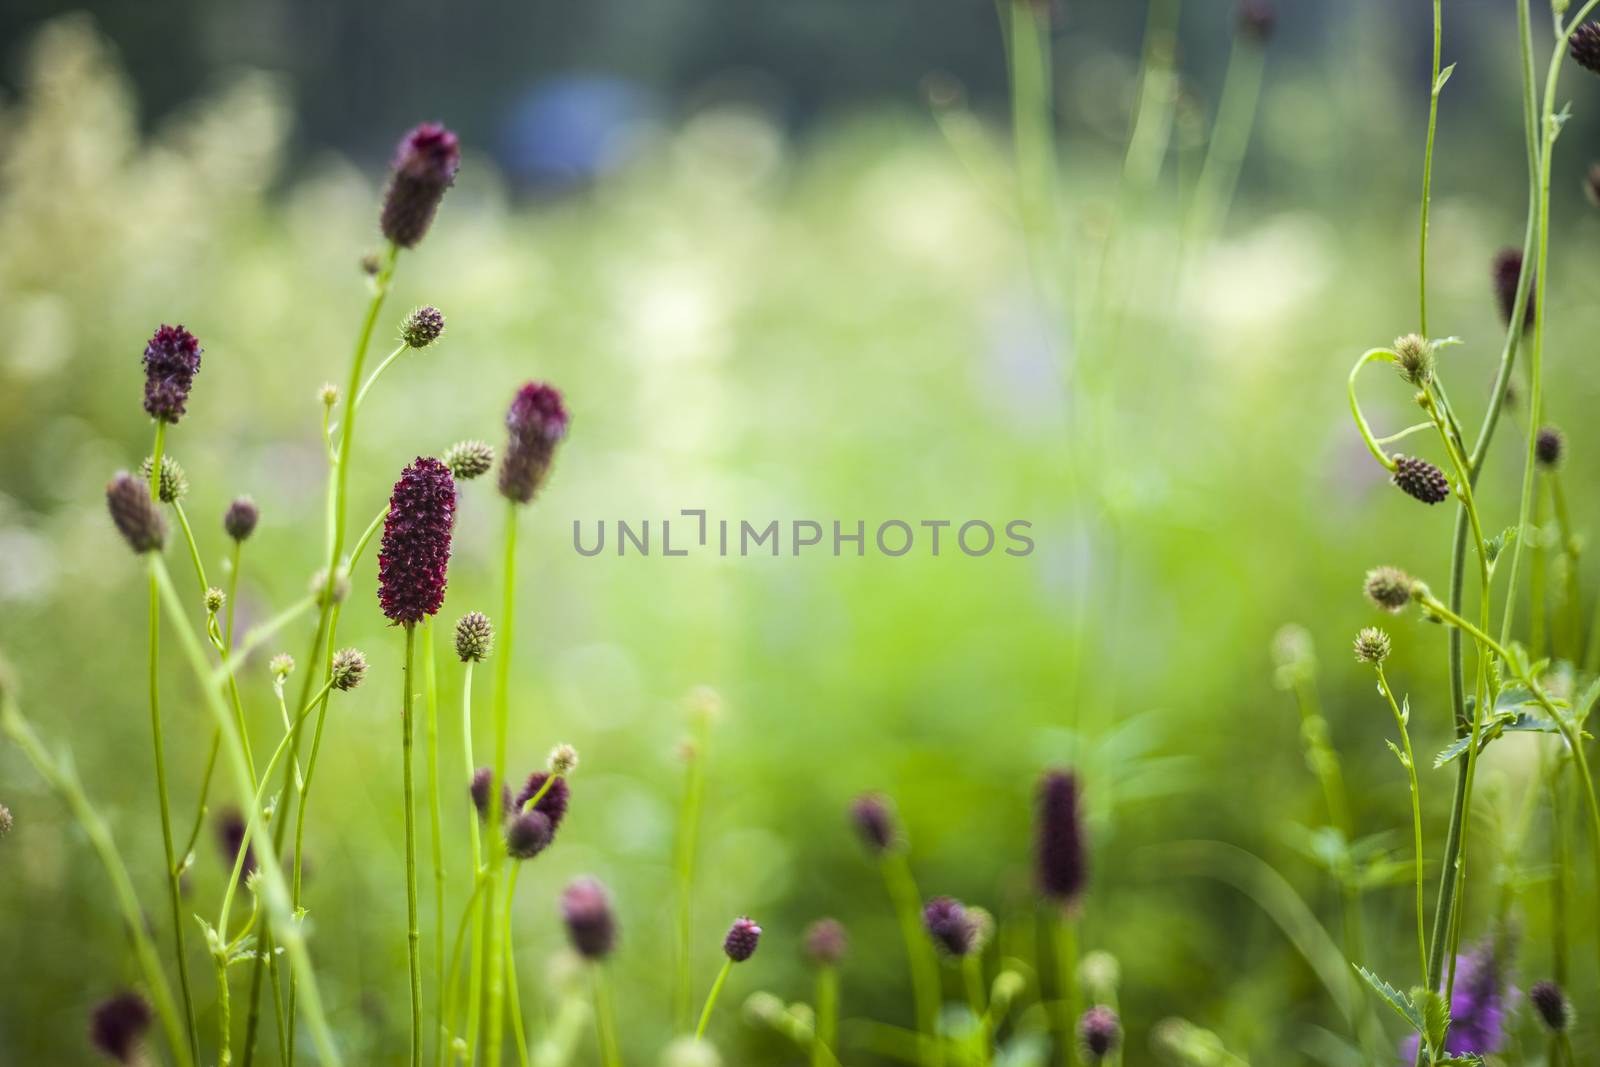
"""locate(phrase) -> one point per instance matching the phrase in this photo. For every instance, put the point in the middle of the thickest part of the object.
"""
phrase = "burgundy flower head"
(948, 923)
(480, 792)
(1059, 857)
(874, 822)
(743, 937)
(1098, 1032)
(240, 519)
(1555, 1011)
(1584, 46)
(535, 425)
(1421, 480)
(528, 834)
(826, 942)
(591, 924)
(554, 802)
(171, 360)
(416, 542)
(1507, 270)
(117, 1026)
(425, 166)
(134, 513)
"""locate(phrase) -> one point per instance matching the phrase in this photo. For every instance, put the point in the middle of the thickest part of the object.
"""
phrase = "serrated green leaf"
(1468, 1059)
(1393, 997)
(1435, 1015)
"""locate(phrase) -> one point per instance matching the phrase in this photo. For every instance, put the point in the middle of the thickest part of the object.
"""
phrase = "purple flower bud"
(875, 823)
(535, 425)
(554, 802)
(528, 834)
(425, 166)
(231, 827)
(1548, 447)
(591, 924)
(1507, 270)
(117, 1026)
(1421, 480)
(948, 923)
(1060, 862)
(743, 937)
(1256, 20)
(1585, 46)
(241, 518)
(416, 542)
(1098, 1032)
(422, 327)
(171, 360)
(1555, 1011)
(135, 514)
(826, 942)
(480, 793)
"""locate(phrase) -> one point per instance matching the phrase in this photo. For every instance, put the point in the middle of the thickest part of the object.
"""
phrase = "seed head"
(349, 668)
(1060, 862)
(174, 485)
(480, 792)
(416, 542)
(1099, 1031)
(1414, 359)
(591, 923)
(118, 1024)
(1548, 447)
(554, 802)
(425, 166)
(528, 834)
(1390, 588)
(535, 424)
(1555, 1011)
(135, 514)
(743, 937)
(171, 360)
(1372, 645)
(422, 327)
(1257, 19)
(1585, 46)
(826, 942)
(328, 394)
(1421, 480)
(1507, 270)
(5, 820)
(474, 637)
(469, 459)
(563, 760)
(875, 823)
(947, 922)
(215, 598)
(280, 665)
(240, 519)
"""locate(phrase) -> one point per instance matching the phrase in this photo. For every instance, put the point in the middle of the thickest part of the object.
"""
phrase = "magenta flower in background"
(535, 425)
(425, 166)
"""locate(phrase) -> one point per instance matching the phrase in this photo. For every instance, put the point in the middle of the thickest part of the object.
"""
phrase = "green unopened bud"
(174, 483)
(215, 598)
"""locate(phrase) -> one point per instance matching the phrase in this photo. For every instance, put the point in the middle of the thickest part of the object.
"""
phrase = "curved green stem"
(368, 384)
(1400, 718)
(501, 711)
(605, 1019)
(1369, 356)
(711, 998)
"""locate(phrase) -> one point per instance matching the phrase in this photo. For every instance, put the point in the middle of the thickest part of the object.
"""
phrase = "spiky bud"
(563, 760)
(371, 264)
(1555, 1011)
(6, 821)
(553, 803)
(422, 327)
(281, 665)
(117, 1026)
(469, 459)
(743, 937)
(1060, 860)
(1585, 46)
(826, 942)
(174, 484)
(171, 360)
(479, 790)
(326, 592)
(591, 924)
(528, 834)
(535, 424)
(240, 519)
(416, 542)
(1506, 271)
(135, 514)
(425, 166)
(1389, 588)
(1548, 447)
(328, 394)
(1256, 20)
(215, 598)
(1372, 645)
(1420, 480)
(474, 637)
(947, 922)
(1414, 359)
(1098, 1032)
(349, 668)
(875, 823)
(231, 830)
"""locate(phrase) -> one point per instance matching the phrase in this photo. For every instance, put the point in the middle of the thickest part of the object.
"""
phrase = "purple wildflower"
(416, 542)
(1479, 1004)
(874, 822)
(117, 1026)
(535, 424)
(480, 792)
(1061, 866)
(948, 923)
(743, 937)
(171, 360)
(135, 514)
(425, 166)
(591, 924)
(553, 804)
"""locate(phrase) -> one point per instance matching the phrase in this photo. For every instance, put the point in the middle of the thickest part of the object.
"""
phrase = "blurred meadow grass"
(840, 326)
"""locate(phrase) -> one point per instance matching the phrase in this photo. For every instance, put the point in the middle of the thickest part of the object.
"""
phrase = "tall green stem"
(1400, 720)
(1066, 945)
(502, 703)
(605, 1019)
(711, 998)
(430, 685)
(827, 1032)
(413, 934)
(919, 954)
(685, 848)
(1427, 177)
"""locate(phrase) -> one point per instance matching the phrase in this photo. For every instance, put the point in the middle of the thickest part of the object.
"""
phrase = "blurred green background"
(774, 289)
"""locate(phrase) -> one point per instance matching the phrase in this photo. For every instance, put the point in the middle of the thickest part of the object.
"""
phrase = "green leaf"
(1435, 1016)
(1393, 997)
(1468, 1059)
(1444, 76)
(1401, 756)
